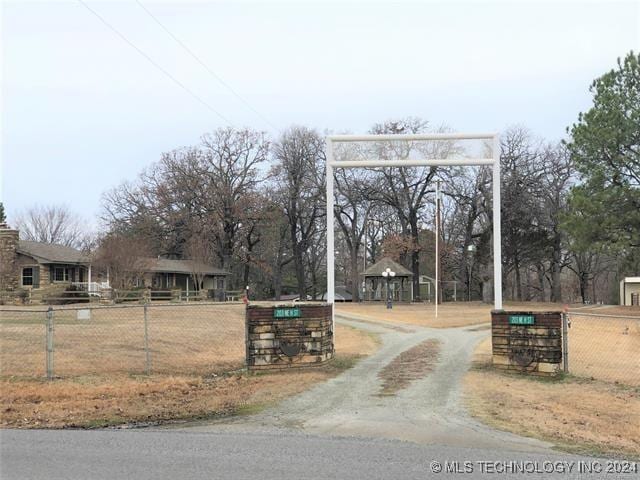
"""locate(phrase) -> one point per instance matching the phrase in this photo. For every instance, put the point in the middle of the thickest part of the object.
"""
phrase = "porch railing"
(93, 288)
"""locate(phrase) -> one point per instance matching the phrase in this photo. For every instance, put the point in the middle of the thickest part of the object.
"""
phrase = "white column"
(497, 235)
(330, 241)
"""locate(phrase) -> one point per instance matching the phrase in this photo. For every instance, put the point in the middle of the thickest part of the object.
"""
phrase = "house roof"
(340, 294)
(288, 297)
(381, 265)
(166, 265)
(51, 253)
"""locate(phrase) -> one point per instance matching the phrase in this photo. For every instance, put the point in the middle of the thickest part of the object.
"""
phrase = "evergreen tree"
(605, 147)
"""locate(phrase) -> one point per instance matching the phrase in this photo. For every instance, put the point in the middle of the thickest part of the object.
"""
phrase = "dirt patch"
(460, 314)
(97, 401)
(410, 365)
(579, 415)
(479, 328)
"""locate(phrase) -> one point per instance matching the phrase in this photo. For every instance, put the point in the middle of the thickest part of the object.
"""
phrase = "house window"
(220, 282)
(27, 277)
(61, 274)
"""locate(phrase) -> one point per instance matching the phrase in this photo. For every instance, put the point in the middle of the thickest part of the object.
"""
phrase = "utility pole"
(364, 257)
(437, 245)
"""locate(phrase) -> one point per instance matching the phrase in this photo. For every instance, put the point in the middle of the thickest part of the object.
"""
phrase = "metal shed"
(630, 291)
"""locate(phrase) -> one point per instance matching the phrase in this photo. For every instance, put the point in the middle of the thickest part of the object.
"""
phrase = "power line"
(175, 80)
(206, 67)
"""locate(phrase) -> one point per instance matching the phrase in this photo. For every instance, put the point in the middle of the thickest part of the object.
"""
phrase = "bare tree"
(405, 188)
(230, 172)
(125, 257)
(273, 252)
(198, 250)
(51, 224)
(556, 179)
(209, 185)
(355, 200)
(300, 173)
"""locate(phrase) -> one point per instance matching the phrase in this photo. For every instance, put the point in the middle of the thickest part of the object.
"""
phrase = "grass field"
(605, 348)
(578, 414)
(595, 409)
(101, 362)
(101, 400)
(193, 338)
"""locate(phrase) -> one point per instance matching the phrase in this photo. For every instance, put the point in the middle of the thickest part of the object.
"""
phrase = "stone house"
(34, 265)
(26, 265)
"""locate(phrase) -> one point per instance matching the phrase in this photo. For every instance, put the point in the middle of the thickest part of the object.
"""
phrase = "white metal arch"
(494, 161)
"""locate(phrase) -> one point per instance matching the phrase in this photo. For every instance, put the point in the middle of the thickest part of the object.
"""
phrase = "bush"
(135, 294)
(22, 295)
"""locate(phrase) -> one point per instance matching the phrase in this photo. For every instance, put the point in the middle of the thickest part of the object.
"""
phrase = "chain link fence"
(125, 339)
(604, 347)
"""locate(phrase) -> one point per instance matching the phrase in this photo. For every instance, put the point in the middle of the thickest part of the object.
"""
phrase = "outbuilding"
(630, 291)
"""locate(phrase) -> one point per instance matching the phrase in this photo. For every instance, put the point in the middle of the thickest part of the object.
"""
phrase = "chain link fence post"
(147, 368)
(50, 344)
(565, 342)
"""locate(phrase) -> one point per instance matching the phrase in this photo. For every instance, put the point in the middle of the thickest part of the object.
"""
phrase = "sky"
(83, 110)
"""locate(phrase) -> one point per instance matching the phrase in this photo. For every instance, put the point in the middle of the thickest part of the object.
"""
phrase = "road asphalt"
(339, 429)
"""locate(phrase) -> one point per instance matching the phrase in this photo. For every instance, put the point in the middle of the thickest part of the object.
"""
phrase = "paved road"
(340, 429)
(170, 454)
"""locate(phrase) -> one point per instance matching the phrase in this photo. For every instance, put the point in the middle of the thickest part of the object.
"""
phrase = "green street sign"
(521, 320)
(287, 312)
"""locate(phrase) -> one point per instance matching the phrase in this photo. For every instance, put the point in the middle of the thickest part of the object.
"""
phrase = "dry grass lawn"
(610, 310)
(605, 348)
(183, 339)
(93, 401)
(450, 314)
(580, 415)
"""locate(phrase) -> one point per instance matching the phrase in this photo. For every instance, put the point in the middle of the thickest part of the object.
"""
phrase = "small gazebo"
(375, 284)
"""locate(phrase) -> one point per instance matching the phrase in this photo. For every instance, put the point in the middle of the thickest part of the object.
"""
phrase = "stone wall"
(274, 343)
(8, 257)
(534, 349)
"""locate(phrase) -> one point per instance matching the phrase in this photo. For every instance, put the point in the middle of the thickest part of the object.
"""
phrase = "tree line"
(255, 205)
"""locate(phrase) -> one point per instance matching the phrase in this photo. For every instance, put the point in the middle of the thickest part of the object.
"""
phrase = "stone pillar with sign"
(527, 342)
(288, 335)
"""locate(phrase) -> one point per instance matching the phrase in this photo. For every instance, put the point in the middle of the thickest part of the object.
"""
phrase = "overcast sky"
(82, 110)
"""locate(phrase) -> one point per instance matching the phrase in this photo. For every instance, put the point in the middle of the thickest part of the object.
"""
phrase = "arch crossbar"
(494, 161)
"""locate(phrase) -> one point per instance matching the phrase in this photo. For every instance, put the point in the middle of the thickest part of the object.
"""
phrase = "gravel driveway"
(429, 411)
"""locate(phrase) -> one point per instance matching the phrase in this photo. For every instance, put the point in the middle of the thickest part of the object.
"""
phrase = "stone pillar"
(527, 342)
(290, 335)
(9, 274)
